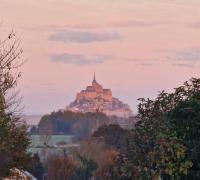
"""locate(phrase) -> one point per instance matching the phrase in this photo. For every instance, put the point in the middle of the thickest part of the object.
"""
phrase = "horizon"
(136, 48)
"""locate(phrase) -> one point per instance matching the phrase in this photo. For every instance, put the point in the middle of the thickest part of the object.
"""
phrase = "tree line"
(80, 125)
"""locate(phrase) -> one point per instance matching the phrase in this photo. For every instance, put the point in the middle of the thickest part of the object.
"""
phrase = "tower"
(97, 87)
(94, 79)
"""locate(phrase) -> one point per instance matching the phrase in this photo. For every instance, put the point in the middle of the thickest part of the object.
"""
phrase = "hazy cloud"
(79, 59)
(184, 57)
(145, 64)
(83, 36)
(188, 55)
(182, 65)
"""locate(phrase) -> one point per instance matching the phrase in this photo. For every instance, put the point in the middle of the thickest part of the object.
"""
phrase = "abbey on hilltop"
(97, 99)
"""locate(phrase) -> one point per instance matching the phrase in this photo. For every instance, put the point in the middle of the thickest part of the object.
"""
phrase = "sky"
(136, 47)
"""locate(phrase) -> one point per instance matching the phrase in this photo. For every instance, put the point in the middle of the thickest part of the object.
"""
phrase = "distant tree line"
(81, 125)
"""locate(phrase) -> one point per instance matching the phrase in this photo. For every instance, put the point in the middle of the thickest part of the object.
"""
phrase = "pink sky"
(136, 47)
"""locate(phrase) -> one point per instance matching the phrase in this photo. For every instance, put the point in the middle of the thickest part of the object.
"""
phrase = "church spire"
(94, 79)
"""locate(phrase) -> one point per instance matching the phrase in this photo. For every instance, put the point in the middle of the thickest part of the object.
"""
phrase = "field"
(53, 140)
(55, 145)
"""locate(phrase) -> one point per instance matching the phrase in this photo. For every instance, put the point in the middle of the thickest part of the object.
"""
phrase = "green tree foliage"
(13, 136)
(13, 145)
(166, 141)
(184, 119)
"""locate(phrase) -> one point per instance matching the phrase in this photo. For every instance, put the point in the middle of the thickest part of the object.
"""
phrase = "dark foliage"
(78, 124)
(86, 170)
(35, 167)
(13, 132)
(114, 136)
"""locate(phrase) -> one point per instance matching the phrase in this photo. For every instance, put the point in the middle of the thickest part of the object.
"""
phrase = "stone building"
(95, 91)
(95, 98)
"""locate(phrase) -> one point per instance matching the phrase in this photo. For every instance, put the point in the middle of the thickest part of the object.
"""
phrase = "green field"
(53, 140)
(56, 144)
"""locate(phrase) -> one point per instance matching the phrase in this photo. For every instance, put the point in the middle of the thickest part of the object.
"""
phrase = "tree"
(86, 169)
(113, 136)
(184, 119)
(107, 165)
(60, 167)
(166, 142)
(35, 167)
(78, 124)
(13, 135)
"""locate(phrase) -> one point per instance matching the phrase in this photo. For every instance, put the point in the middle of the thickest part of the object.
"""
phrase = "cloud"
(187, 55)
(68, 36)
(183, 58)
(145, 64)
(79, 59)
(182, 65)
